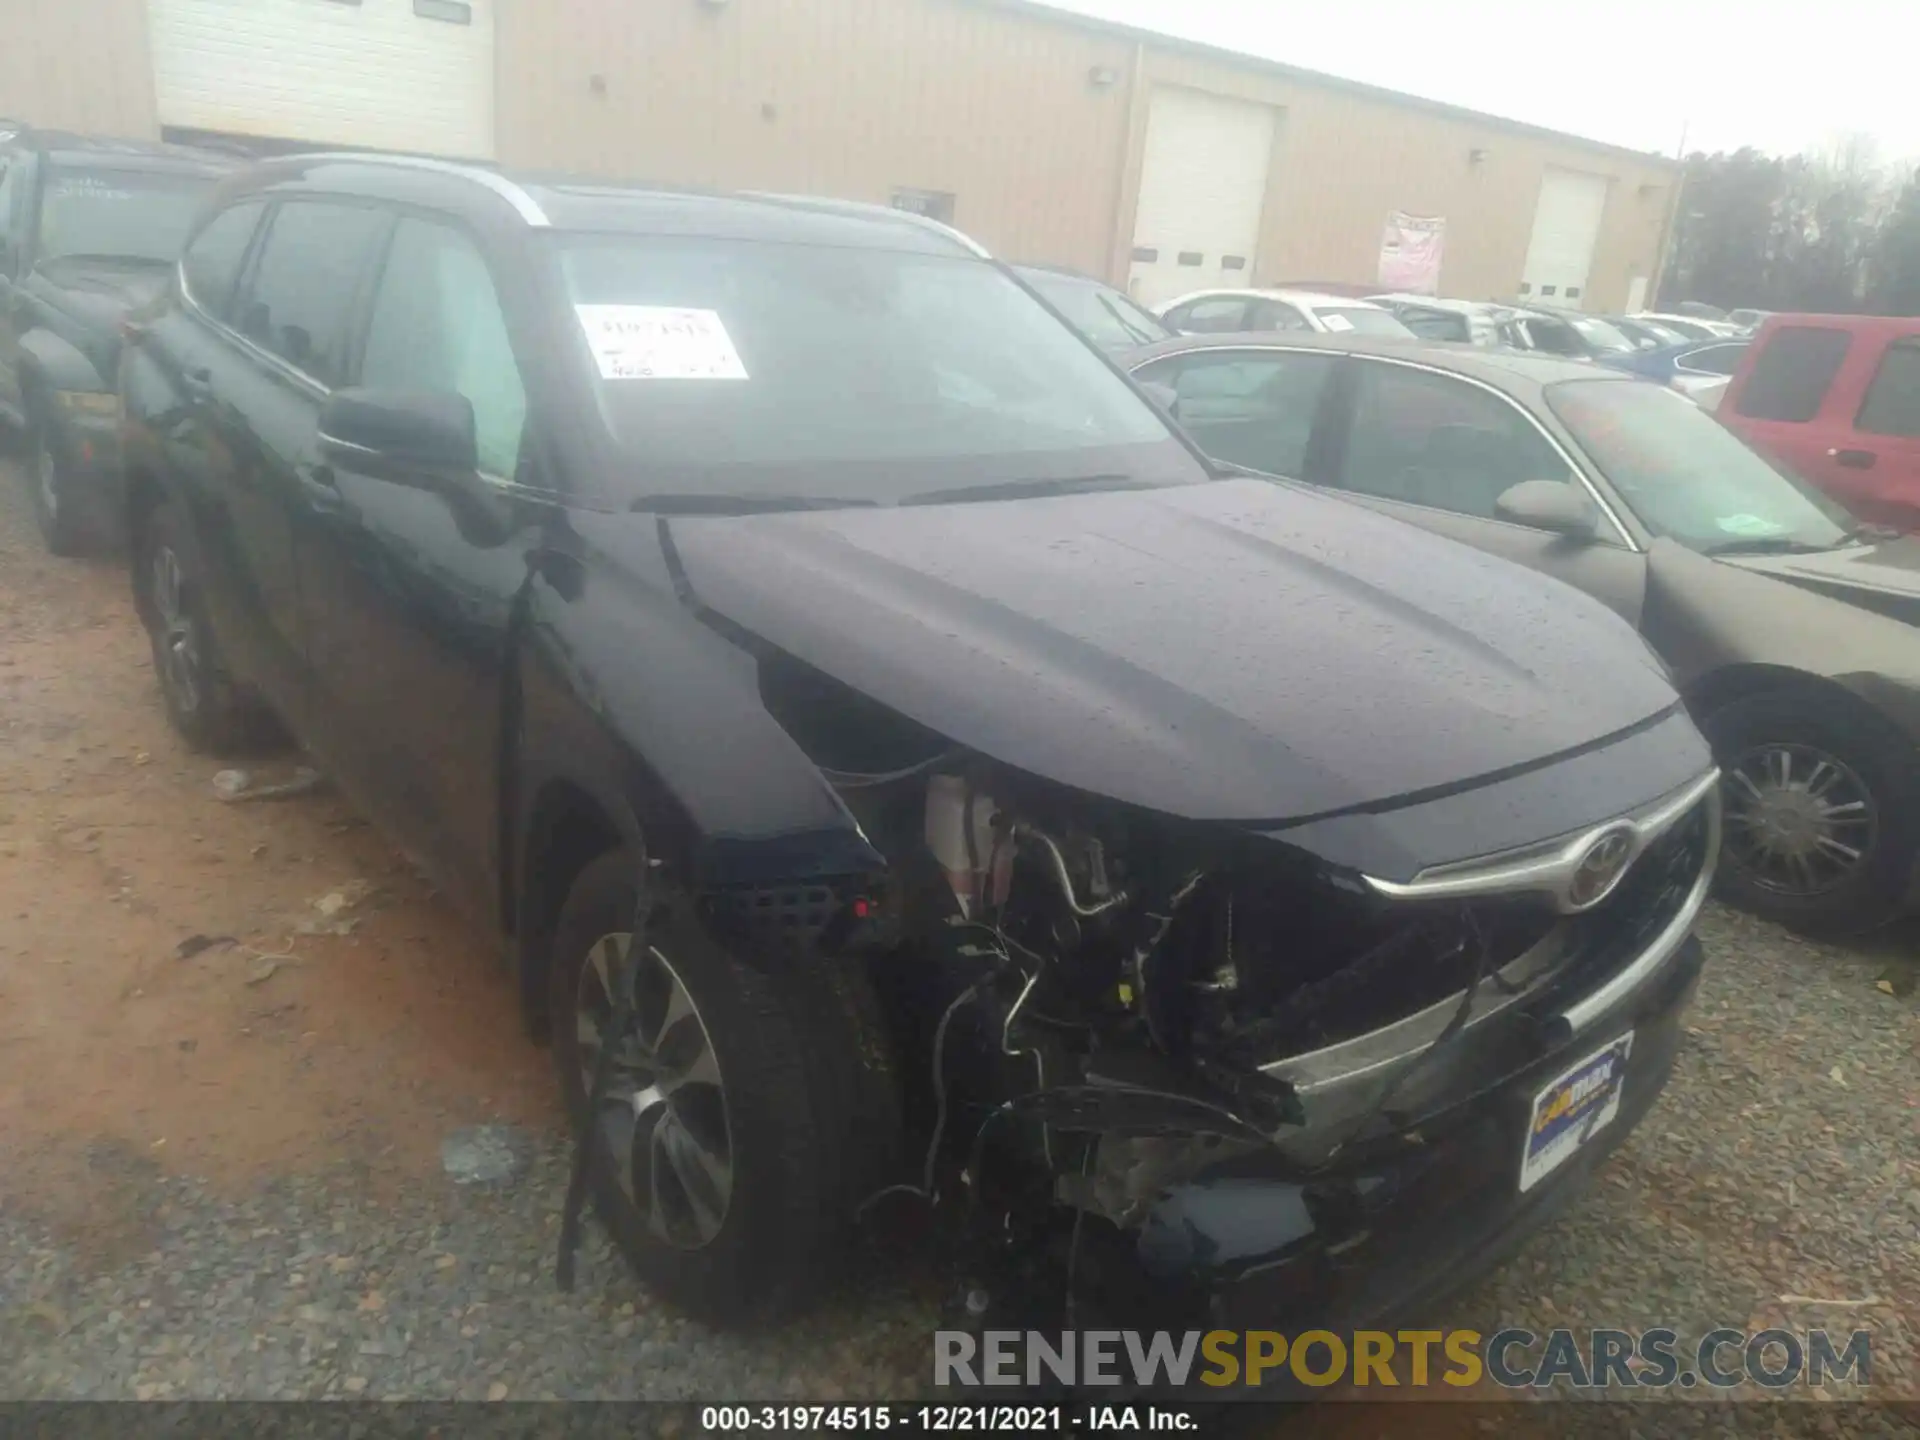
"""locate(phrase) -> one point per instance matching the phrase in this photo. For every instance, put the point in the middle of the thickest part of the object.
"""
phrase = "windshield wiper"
(1127, 323)
(1767, 545)
(710, 504)
(102, 257)
(1027, 489)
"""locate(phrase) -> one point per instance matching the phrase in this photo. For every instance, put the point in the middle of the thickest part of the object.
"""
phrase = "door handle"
(1853, 459)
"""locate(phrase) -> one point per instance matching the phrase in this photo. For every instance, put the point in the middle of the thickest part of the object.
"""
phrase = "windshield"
(812, 373)
(1359, 320)
(135, 214)
(1104, 316)
(1688, 477)
(1599, 334)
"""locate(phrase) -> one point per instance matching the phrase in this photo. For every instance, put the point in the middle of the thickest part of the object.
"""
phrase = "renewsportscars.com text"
(1512, 1359)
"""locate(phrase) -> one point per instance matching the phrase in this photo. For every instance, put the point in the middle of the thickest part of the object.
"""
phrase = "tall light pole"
(1661, 256)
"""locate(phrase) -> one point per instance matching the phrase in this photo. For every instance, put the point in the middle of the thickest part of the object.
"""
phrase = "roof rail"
(831, 205)
(523, 203)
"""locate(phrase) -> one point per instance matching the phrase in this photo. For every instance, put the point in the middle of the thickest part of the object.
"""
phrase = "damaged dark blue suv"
(900, 769)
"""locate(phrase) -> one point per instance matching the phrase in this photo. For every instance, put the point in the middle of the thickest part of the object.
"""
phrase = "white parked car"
(1229, 312)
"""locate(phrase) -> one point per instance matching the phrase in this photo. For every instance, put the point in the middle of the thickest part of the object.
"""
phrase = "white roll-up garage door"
(393, 74)
(1203, 186)
(1566, 228)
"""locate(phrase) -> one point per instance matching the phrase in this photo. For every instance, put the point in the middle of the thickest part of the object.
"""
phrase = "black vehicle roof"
(64, 146)
(1520, 373)
(582, 204)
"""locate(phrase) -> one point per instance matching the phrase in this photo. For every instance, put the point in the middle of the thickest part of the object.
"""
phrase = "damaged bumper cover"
(1406, 1179)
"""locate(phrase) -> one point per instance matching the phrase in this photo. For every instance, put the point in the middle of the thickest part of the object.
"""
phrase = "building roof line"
(1245, 60)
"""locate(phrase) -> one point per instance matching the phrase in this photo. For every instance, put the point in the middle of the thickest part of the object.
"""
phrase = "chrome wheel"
(178, 640)
(46, 472)
(664, 1116)
(1799, 821)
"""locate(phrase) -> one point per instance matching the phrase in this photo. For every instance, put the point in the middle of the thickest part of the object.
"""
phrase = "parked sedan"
(1791, 637)
(870, 730)
(1224, 311)
(1571, 333)
(1690, 327)
(89, 231)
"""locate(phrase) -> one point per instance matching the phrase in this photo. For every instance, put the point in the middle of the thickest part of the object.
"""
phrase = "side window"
(1252, 408)
(304, 283)
(1551, 337)
(1435, 324)
(437, 325)
(213, 259)
(1792, 373)
(1892, 406)
(1433, 440)
(1223, 316)
(1274, 315)
(1711, 360)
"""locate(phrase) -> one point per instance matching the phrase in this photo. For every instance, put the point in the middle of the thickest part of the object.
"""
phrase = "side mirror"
(1551, 505)
(1163, 395)
(404, 435)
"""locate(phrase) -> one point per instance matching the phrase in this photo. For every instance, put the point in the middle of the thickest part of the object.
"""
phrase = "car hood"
(1239, 650)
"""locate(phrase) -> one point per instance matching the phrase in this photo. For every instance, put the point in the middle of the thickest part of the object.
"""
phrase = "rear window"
(123, 214)
(1792, 373)
(1359, 321)
(1892, 406)
(1436, 324)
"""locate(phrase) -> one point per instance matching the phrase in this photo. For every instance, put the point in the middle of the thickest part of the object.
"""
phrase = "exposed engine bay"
(1093, 1004)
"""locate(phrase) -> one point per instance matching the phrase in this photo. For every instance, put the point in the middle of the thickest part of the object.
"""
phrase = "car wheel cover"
(46, 472)
(179, 638)
(1799, 820)
(664, 1117)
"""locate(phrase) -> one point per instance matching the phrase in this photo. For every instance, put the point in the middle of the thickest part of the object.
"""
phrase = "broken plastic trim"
(1337, 1081)
(1557, 868)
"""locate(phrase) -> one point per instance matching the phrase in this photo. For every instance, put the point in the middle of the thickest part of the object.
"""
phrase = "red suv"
(1836, 398)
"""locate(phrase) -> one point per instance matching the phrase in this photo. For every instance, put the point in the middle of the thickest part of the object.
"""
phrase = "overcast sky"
(1633, 72)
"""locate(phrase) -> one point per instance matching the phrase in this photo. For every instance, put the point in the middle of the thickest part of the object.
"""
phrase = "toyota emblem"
(1599, 869)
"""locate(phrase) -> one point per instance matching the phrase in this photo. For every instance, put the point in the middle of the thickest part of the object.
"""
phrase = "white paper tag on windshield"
(1336, 322)
(659, 342)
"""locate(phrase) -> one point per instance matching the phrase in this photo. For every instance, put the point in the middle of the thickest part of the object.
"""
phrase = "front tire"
(719, 1166)
(1821, 822)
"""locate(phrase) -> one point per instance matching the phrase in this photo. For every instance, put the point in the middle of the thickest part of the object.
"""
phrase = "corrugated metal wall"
(77, 65)
(1003, 109)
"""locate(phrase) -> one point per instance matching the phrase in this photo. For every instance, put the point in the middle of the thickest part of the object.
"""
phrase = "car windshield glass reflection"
(124, 214)
(833, 373)
(1689, 478)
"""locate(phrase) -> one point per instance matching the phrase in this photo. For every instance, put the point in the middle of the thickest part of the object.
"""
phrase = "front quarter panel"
(1707, 618)
(626, 693)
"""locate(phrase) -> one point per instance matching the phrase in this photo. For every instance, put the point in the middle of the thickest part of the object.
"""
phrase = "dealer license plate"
(1573, 1109)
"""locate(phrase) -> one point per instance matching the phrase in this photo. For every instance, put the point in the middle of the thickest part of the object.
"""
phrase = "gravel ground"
(1778, 1182)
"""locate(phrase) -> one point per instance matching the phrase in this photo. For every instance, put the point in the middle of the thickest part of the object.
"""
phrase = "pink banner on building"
(1410, 249)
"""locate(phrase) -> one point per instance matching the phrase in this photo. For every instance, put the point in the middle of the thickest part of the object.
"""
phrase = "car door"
(408, 585)
(1438, 451)
(1886, 431)
(1255, 407)
(1782, 403)
(189, 344)
(288, 331)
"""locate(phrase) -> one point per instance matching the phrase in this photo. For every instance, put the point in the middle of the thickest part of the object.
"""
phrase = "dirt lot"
(232, 1038)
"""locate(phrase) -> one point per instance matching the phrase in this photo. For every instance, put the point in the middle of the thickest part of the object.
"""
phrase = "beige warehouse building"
(1052, 138)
